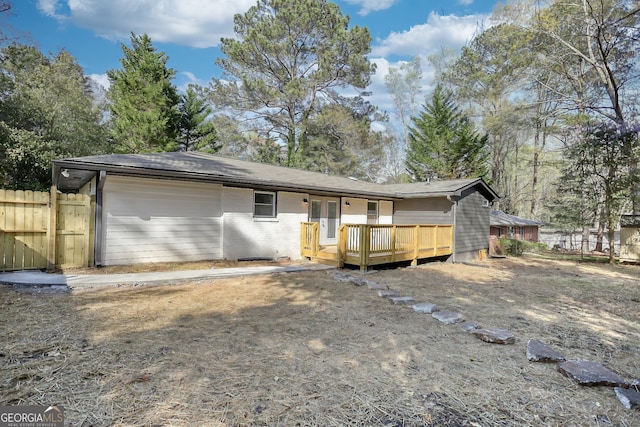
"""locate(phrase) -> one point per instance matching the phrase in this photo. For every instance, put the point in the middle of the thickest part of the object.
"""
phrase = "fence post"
(51, 233)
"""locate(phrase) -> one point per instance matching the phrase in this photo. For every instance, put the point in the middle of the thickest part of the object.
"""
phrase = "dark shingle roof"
(207, 167)
(500, 218)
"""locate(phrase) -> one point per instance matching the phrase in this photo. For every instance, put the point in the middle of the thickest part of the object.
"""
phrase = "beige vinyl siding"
(355, 213)
(151, 220)
(434, 210)
(249, 237)
(472, 225)
(385, 212)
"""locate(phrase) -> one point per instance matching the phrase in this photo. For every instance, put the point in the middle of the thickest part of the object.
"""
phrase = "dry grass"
(303, 349)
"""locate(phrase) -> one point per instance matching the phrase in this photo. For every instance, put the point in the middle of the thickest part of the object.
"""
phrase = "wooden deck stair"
(327, 255)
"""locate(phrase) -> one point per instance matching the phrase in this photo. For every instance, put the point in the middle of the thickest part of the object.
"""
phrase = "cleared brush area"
(303, 349)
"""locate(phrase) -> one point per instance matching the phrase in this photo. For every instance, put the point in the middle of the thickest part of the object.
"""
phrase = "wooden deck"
(366, 245)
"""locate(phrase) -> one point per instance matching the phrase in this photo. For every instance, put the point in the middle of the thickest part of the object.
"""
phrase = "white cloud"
(368, 6)
(437, 33)
(48, 7)
(426, 39)
(465, 2)
(196, 23)
(101, 79)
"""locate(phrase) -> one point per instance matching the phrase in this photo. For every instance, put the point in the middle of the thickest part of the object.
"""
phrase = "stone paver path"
(583, 372)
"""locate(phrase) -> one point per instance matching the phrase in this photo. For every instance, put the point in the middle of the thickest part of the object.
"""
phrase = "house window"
(264, 204)
(372, 212)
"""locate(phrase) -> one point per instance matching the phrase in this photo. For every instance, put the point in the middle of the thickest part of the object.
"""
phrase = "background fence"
(35, 236)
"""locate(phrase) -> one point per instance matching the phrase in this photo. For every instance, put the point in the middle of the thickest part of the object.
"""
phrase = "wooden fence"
(35, 236)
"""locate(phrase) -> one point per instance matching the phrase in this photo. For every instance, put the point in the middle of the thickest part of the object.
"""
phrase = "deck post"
(435, 241)
(341, 250)
(315, 228)
(416, 250)
(393, 243)
(365, 242)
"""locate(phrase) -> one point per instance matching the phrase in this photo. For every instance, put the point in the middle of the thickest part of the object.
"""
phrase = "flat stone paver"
(424, 307)
(537, 351)
(402, 300)
(469, 326)
(375, 285)
(629, 398)
(589, 373)
(386, 293)
(448, 317)
(494, 336)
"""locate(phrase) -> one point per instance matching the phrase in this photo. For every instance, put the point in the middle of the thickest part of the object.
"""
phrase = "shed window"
(264, 204)
(372, 212)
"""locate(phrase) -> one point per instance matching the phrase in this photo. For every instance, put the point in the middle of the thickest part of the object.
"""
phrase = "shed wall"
(435, 210)
(472, 225)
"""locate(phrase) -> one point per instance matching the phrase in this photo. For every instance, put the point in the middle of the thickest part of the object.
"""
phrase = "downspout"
(97, 250)
(455, 227)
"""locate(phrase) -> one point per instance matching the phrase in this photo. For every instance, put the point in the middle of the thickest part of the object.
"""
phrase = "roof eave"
(208, 177)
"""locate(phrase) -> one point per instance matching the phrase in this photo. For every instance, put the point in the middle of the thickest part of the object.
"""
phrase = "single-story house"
(503, 224)
(192, 206)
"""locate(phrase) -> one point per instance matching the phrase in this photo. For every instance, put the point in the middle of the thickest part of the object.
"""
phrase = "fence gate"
(24, 221)
(73, 219)
(25, 235)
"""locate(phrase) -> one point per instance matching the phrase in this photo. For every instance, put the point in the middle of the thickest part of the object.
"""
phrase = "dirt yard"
(302, 349)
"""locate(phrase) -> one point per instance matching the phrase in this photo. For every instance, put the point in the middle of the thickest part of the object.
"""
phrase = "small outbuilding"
(513, 227)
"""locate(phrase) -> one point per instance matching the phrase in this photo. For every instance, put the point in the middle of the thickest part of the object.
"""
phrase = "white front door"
(326, 211)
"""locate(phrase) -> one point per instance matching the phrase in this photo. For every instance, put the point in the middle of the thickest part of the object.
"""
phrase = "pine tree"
(197, 132)
(143, 100)
(443, 142)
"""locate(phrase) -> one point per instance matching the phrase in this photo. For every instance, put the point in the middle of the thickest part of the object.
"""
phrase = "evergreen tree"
(143, 100)
(443, 142)
(285, 64)
(197, 132)
(47, 111)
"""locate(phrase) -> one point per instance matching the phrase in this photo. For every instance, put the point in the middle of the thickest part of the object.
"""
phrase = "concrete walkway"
(88, 281)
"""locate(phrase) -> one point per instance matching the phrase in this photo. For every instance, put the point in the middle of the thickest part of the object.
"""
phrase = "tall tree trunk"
(536, 161)
(600, 236)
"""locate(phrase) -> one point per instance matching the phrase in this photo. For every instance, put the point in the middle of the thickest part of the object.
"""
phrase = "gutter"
(455, 227)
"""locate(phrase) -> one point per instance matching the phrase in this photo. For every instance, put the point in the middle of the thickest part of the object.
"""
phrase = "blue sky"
(189, 31)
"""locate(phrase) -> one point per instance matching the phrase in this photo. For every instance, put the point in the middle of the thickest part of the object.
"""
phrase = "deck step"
(326, 261)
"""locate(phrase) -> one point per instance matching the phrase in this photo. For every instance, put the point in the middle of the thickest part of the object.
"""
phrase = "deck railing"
(310, 239)
(368, 244)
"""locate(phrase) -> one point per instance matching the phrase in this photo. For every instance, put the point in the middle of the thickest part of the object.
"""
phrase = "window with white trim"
(264, 204)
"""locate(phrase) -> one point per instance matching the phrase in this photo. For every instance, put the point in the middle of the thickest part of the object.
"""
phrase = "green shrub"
(515, 247)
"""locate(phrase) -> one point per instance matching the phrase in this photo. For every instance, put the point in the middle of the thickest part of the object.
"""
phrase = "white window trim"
(273, 206)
